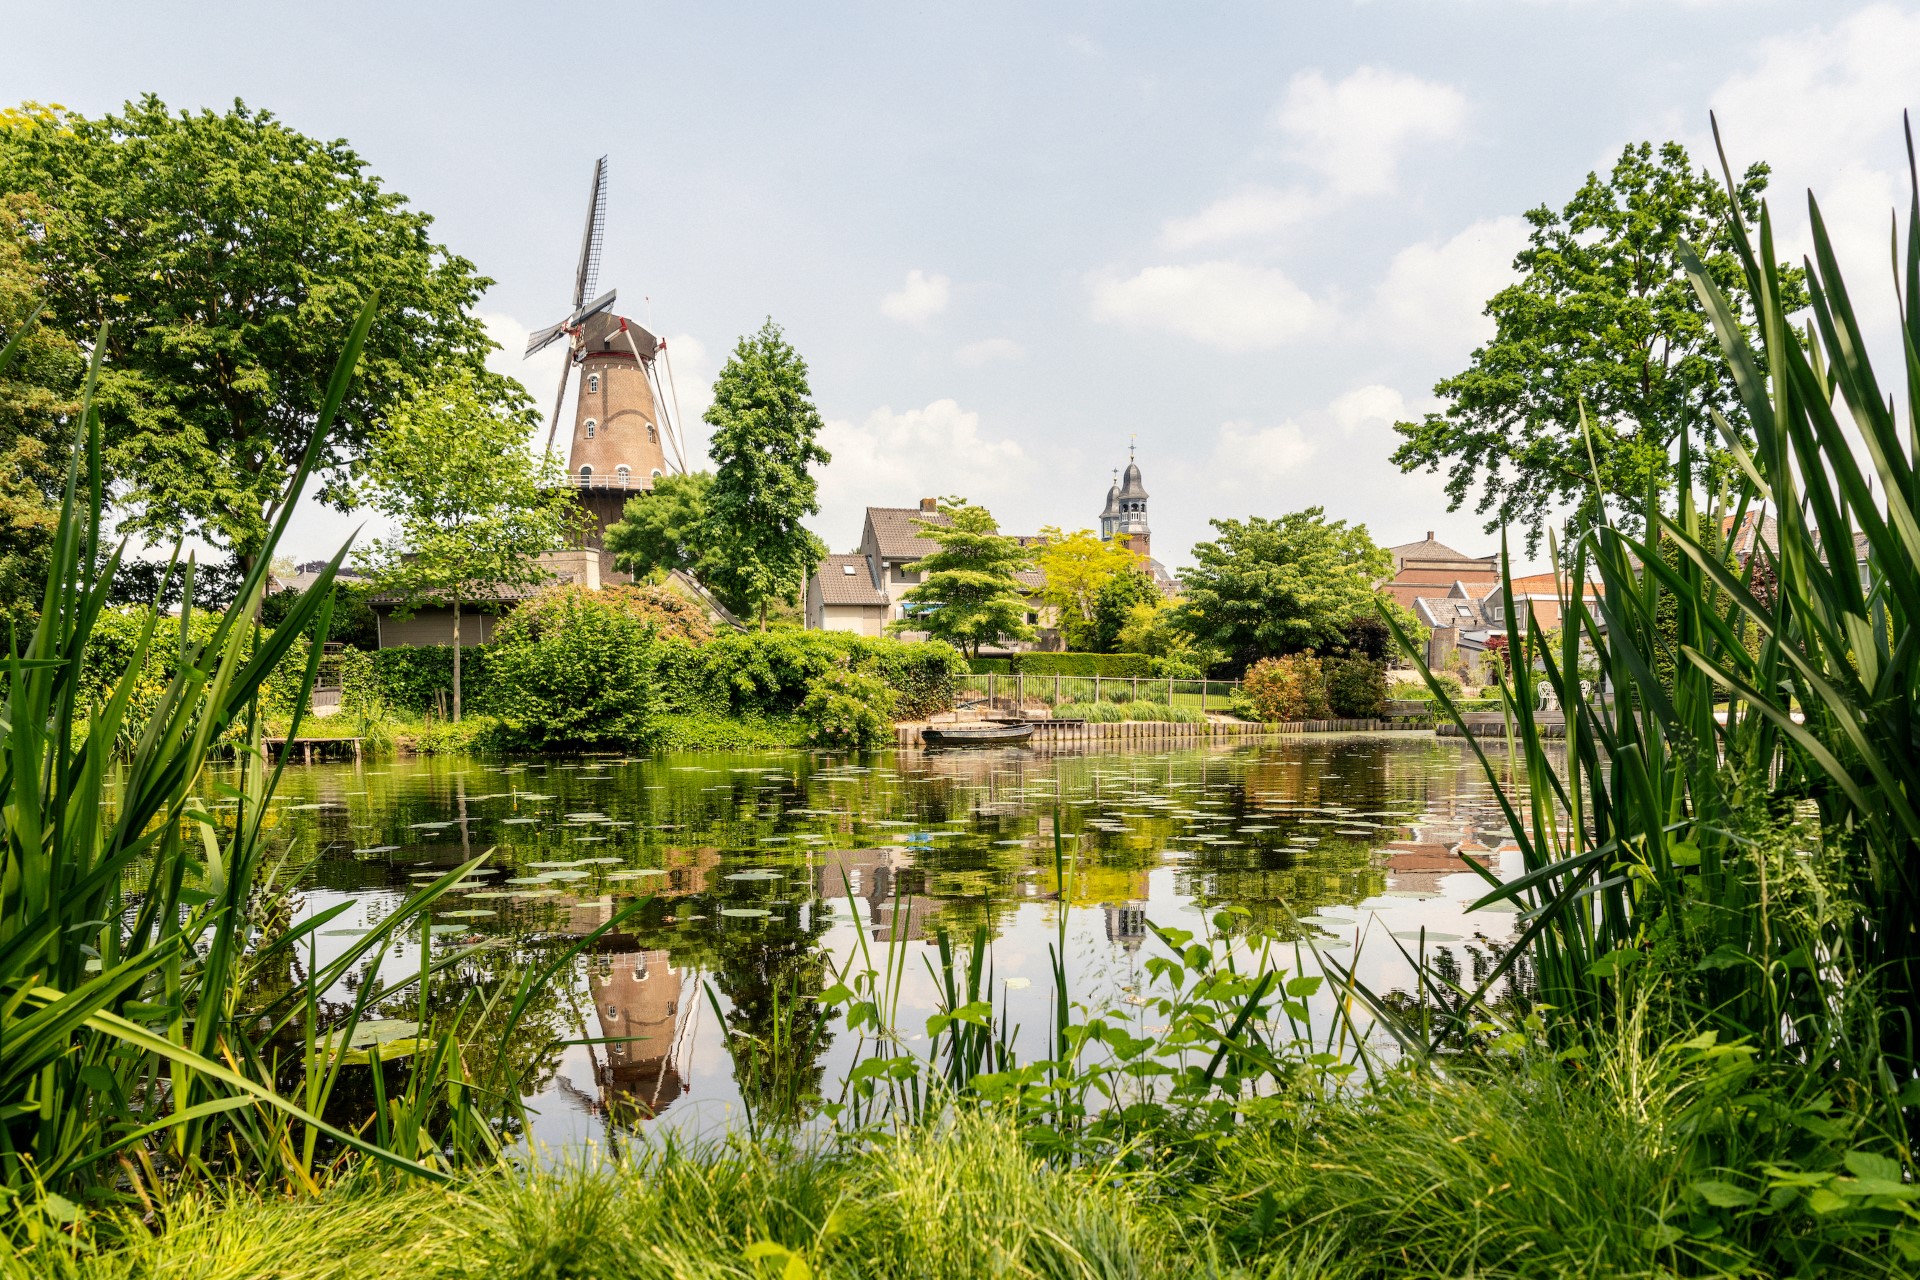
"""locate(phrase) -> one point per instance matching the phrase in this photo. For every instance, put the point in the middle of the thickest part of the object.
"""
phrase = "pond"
(760, 871)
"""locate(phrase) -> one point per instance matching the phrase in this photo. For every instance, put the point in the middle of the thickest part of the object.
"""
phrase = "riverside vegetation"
(1698, 1056)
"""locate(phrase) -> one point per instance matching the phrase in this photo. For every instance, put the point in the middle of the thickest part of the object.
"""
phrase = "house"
(1467, 617)
(1431, 568)
(865, 590)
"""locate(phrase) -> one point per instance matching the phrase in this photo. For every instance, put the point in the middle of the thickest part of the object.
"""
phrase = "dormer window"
(591, 427)
(593, 383)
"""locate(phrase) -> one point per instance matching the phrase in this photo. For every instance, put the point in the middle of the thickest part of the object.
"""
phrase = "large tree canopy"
(1077, 566)
(1602, 316)
(667, 529)
(230, 254)
(969, 594)
(764, 423)
(1269, 587)
(38, 394)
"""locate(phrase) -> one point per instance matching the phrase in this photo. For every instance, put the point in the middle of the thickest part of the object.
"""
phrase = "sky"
(1013, 240)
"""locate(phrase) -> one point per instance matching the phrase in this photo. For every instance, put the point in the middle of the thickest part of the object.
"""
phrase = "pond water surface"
(761, 869)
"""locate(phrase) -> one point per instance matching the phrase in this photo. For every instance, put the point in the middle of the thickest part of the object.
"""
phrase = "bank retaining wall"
(1050, 732)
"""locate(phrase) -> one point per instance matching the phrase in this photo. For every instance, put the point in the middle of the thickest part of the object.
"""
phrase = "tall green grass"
(160, 1023)
(1730, 841)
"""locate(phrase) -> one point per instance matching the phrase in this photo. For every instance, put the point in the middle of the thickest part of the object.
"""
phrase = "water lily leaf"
(744, 913)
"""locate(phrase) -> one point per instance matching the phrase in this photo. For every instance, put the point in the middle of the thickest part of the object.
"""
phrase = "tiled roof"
(1428, 549)
(896, 534)
(1450, 611)
(848, 580)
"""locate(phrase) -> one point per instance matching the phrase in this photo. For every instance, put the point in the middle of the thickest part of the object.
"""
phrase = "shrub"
(1092, 712)
(671, 613)
(1356, 687)
(1417, 689)
(583, 673)
(990, 666)
(1082, 664)
(698, 731)
(110, 649)
(413, 679)
(1161, 712)
(1177, 669)
(849, 710)
(1290, 688)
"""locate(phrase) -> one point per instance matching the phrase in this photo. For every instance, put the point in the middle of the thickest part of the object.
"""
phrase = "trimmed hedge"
(990, 666)
(770, 673)
(1118, 665)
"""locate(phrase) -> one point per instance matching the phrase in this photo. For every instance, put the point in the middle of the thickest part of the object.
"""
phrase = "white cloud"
(1368, 406)
(895, 459)
(1434, 292)
(1231, 305)
(1822, 106)
(1354, 131)
(987, 351)
(920, 299)
(1260, 212)
(1258, 456)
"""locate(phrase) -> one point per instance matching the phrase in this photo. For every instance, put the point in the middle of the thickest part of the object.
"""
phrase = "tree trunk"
(456, 659)
(763, 615)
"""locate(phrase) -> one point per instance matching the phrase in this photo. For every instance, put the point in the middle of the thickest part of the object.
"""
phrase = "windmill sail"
(588, 273)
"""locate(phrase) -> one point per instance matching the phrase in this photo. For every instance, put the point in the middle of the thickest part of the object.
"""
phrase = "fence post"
(1169, 690)
(1020, 692)
(1203, 695)
(1096, 686)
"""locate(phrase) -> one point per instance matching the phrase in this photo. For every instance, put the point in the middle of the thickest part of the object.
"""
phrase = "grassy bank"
(1515, 1169)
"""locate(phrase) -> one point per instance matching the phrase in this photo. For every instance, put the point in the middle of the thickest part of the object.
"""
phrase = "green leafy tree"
(1114, 605)
(668, 529)
(968, 593)
(1602, 316)
(1265, 587)
(474, 509)
(231, 255)
(38, 391)
(764, 423)
(1075, 567)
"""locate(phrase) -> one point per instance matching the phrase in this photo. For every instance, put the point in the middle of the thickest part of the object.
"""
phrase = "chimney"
(1429, 535)
(929, 506)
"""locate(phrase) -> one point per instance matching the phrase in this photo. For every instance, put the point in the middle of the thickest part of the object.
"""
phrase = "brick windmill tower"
(620, 434)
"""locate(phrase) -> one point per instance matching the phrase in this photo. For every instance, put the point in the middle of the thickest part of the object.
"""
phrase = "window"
(847, 569)
(653, 437)
(591, 426)
(623, 471)
(656, 473)
(1465, 611)
(593, 383)
(586, 473)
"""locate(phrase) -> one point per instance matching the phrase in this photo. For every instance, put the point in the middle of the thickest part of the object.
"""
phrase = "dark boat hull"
(999, 735)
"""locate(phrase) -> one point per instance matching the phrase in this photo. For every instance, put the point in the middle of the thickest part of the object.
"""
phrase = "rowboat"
(986, 735)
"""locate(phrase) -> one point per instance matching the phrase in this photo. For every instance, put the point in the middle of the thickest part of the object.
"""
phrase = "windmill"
(620, 431)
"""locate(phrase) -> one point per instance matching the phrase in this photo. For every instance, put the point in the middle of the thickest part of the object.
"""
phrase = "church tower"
(1110, 517)
(1130, 504)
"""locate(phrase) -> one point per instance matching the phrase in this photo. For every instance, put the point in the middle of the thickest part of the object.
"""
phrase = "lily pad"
(744, 913)
(760, 874)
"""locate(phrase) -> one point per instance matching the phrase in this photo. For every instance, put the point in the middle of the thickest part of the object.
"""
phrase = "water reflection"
(754, 869)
